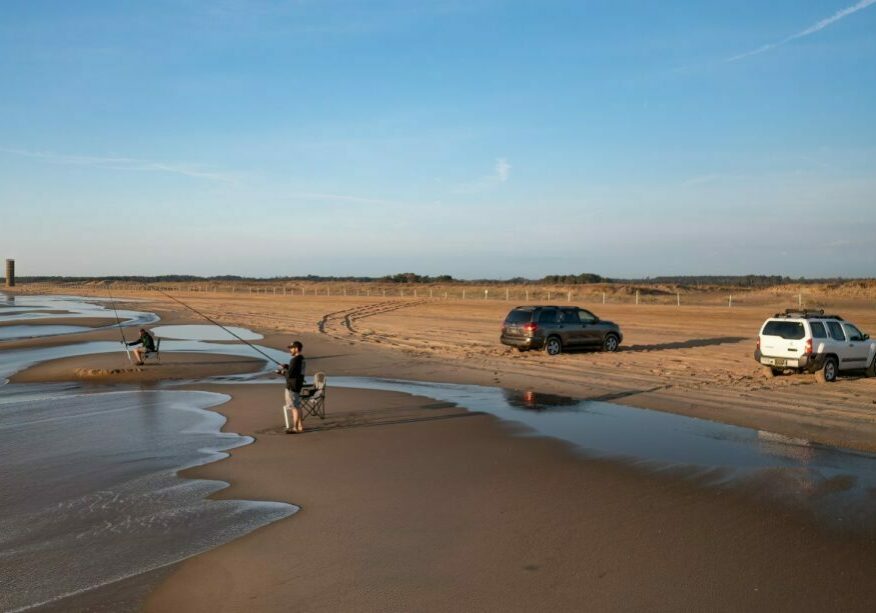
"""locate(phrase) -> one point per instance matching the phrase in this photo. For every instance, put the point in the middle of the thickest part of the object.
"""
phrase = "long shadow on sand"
(344, 421)
(694, 342)
(625, 394)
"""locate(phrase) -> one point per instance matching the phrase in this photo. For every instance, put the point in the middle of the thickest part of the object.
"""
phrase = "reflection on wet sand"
(538, 401)
(831, 483)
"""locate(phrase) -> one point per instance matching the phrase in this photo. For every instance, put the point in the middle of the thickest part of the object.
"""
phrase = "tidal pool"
(838, 485)
(23, 331)
(204, 333)
(25, 309)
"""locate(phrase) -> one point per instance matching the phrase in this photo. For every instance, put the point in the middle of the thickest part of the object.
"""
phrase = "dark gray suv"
(555, 329)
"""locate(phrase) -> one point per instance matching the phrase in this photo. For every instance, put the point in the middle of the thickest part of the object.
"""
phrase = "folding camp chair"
(313, 397)
(156, 353)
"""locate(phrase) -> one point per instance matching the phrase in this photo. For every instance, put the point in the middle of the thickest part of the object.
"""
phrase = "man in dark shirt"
(148, 346)
(294, 372)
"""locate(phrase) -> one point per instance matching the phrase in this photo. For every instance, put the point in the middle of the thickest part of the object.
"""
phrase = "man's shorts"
(293, 399)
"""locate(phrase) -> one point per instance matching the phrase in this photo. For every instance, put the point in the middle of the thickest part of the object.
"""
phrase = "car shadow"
(689, 344)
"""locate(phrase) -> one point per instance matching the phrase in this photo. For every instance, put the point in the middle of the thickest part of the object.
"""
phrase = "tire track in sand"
(340, 324)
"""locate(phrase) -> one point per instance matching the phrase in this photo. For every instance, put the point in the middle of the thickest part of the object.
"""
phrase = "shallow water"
(205, 333)
(89, 489)
(29, 308)
(90, 493)
(18, 332)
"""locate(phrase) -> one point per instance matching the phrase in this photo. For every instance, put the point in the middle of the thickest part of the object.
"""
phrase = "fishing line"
(119, 322)
(212, 321)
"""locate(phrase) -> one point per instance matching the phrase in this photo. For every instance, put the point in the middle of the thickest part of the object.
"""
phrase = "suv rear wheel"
(827, 374)
(769, 372)
(871, 370)
(553, 346)
(610, 343)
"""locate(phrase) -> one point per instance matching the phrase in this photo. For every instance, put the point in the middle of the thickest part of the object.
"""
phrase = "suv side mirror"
(866, 337)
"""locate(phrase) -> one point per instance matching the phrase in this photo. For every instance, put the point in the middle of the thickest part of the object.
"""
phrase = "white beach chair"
(313, 397)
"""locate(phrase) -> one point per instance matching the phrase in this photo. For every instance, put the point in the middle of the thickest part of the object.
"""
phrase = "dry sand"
(411, 505)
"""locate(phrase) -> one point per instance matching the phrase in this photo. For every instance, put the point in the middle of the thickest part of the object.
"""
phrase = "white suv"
(810, 341)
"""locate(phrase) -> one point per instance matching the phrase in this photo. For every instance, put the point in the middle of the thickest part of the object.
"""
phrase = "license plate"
(779, 362)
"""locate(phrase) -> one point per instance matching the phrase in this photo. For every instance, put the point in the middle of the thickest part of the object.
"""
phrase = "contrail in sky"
(810, 30)
(123, 163)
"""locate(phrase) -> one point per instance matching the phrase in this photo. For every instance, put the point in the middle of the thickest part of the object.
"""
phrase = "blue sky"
(482, 138)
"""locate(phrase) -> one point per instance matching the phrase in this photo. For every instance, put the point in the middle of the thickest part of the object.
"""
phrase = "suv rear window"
(549, 317)
(818, 330)
(789, 330)
(518, 317)
(836, 331)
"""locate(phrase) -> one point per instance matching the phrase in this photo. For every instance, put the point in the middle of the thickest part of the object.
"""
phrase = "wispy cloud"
(501, 174)
(808, 31)
(322, 197)
(700, 180)
(124, 163)
(503, 168)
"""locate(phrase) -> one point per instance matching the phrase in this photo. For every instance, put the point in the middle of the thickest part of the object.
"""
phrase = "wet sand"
(110, 368)
(406, 505)
(87, 322)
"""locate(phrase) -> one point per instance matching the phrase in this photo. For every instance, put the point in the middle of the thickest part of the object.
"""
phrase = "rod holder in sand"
(10, 273)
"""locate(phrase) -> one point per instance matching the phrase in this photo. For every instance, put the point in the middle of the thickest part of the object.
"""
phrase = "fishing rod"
(119, 322)
(214, 322)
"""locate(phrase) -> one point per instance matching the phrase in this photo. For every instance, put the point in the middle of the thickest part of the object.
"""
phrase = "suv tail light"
(808, 350)
(530, 328)
(757, 346)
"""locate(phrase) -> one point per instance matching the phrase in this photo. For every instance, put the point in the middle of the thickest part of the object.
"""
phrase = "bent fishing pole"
(119, 322)
(216, 323)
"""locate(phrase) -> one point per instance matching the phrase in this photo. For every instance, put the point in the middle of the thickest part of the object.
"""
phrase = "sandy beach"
(691, 360)
(408, 503)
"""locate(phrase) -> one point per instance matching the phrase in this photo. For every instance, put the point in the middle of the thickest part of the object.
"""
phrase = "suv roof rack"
(807, 314)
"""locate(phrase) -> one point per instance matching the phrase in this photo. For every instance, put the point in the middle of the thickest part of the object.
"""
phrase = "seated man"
(148, 345)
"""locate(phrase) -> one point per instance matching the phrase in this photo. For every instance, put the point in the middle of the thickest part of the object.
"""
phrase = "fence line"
(509, 294)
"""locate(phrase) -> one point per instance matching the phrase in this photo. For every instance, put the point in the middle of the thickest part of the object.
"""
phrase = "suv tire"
(610, 343)
(553, 346)
(769, 372)
(871, 370)
(827, 374)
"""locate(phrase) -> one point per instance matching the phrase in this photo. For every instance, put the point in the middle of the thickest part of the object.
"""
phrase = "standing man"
(294, 373)
(148, 346)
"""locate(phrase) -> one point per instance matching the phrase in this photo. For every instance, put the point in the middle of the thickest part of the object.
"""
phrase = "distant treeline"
(585, 277)
(734, 280)
(754, 281)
